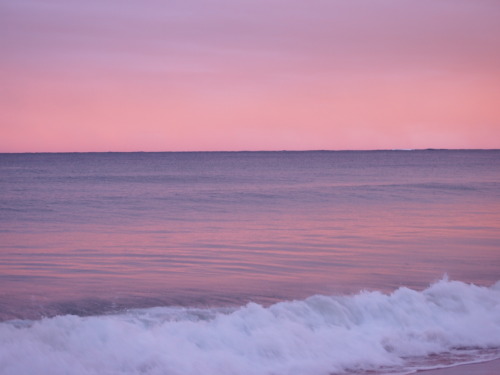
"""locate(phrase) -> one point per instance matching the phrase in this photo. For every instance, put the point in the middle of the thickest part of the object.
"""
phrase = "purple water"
(163, 245)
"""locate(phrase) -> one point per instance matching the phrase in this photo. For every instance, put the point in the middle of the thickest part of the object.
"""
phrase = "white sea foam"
(319, 335)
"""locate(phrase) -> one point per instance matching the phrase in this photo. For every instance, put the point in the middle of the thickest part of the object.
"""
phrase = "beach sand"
(484, 368)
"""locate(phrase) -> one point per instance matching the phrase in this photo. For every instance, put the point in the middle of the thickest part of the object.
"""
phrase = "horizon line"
(250, 151)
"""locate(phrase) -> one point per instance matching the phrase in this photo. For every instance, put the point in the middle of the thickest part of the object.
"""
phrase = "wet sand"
(485, 368)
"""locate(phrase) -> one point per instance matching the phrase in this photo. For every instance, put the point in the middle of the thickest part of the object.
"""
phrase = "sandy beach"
(484, 368)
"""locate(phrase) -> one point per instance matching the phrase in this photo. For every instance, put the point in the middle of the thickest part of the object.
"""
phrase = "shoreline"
(491, 367)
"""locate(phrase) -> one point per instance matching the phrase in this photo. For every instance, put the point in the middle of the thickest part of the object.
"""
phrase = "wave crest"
(369, 331)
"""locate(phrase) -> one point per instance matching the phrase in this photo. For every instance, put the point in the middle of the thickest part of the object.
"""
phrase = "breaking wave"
(448, 323)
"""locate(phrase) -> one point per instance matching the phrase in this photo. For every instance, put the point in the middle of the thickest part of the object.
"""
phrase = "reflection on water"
(104, 231)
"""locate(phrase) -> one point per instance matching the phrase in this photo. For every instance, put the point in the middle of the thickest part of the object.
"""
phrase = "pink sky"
(248, 75)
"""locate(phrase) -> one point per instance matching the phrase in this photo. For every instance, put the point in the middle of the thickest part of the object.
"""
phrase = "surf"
(448, 323)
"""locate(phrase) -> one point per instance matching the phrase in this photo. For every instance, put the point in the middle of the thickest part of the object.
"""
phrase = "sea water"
(248, 262)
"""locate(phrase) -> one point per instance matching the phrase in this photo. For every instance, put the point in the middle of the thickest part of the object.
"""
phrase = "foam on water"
(399, 332)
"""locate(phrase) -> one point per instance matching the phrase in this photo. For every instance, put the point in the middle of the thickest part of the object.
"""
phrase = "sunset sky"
(176, 75)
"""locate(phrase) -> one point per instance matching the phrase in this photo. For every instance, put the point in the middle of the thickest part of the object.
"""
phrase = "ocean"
(314, 262)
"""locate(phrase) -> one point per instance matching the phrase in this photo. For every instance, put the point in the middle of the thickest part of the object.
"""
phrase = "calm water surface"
(90, 233)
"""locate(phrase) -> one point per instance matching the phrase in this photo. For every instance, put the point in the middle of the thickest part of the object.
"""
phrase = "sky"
(188, 75)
